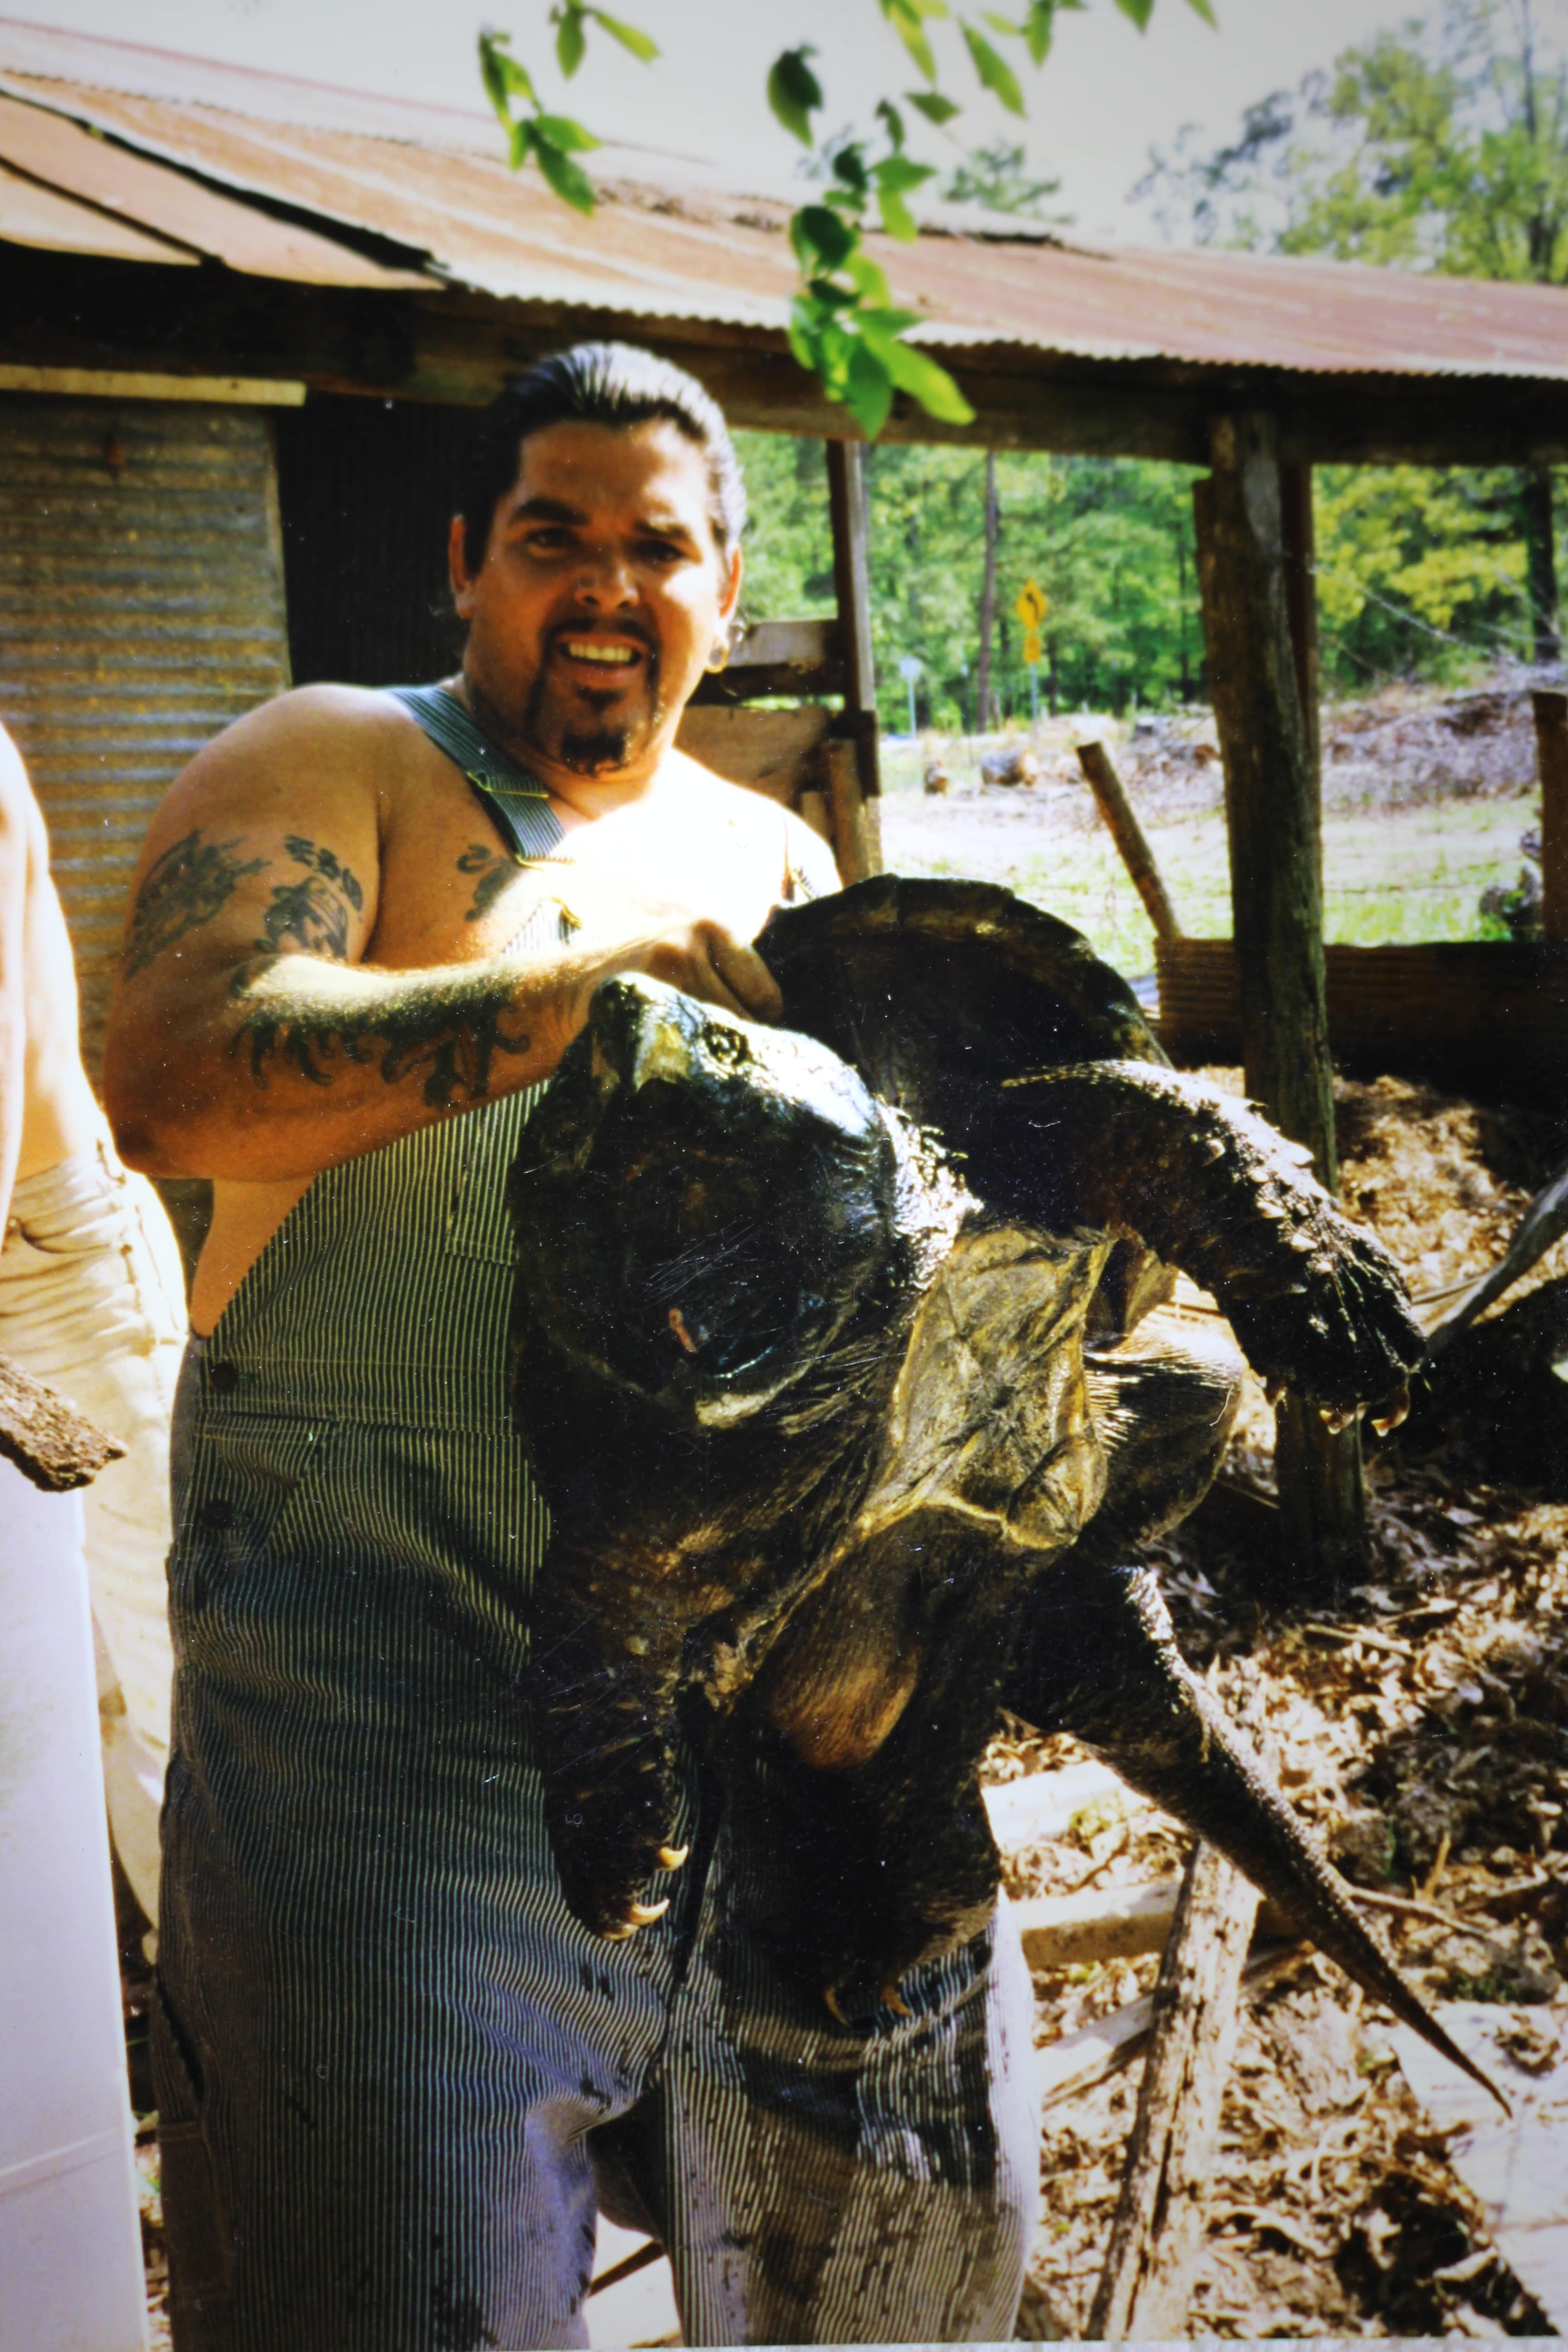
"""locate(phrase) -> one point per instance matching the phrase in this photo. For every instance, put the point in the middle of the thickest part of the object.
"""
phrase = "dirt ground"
(1425, 797)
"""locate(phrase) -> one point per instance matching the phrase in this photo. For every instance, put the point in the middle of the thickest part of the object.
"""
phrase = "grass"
(1396, 875)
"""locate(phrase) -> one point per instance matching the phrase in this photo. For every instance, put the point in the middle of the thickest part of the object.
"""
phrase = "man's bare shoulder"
(349, 726)
(806, 863)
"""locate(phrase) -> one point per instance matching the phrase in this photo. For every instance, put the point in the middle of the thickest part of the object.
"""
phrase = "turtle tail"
(1105, 1666)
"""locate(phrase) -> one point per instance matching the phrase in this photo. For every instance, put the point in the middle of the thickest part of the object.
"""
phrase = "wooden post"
(1122, 823)
(1256, 667)
(1146, 2285)
(1302, 604)
(852, 586)
(1552, 747)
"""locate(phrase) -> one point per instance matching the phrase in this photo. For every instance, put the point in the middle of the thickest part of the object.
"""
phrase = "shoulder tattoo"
(186, 887)
(310, 916)
(491, 871)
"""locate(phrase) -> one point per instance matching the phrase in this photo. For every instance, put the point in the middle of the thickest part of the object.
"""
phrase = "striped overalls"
(397, 2078)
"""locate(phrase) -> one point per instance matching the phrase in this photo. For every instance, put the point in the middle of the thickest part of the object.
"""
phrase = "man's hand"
(670, 941)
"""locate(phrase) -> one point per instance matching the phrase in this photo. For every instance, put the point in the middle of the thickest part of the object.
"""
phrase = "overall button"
(216, 1515)
(223, 1378)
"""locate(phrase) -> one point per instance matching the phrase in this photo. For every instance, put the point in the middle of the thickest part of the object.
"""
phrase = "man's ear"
(732, 594)
(457, 571)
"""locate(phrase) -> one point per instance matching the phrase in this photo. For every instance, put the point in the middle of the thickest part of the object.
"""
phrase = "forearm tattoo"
(310, 916)
(491, 873)
(451, 1031)
(187, 887)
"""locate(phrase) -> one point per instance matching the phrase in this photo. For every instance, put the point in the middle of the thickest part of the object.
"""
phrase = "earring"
(734, 630)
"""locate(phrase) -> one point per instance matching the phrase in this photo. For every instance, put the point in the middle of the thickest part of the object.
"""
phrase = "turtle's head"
(702, 1202)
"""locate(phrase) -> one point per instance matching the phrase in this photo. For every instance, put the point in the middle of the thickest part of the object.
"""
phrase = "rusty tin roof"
(296, 182)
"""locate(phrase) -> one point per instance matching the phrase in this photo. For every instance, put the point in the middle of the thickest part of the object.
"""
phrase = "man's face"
(600, 596)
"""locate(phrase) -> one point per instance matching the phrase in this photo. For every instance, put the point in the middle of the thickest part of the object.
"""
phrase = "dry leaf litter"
(1421, 1723)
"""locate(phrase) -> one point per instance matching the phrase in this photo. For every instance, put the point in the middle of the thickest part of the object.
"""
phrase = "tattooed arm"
(300, 984)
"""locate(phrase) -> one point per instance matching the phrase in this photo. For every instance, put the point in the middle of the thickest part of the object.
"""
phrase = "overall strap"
(517, 801)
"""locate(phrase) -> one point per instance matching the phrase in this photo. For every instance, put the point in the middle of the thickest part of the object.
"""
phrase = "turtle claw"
(891, 1998)
(670, 1857)
(643, 1914)
(1338, 1421)
(1392, 1412)
(834, 2006)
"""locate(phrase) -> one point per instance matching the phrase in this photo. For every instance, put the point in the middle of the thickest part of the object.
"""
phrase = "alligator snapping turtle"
(840, 1357)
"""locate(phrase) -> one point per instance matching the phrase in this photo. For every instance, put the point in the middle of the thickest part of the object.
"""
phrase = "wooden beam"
(1122, 823)
(1301, 599)
(1552, 747)
(852, 586)
(1276, 868)
(460, 348)
(1146, 2285)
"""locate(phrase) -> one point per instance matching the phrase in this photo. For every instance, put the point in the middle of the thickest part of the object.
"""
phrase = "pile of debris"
(1422, 1724)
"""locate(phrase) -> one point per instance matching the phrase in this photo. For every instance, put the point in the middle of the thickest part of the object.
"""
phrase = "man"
(366, 927)
(92, 1300)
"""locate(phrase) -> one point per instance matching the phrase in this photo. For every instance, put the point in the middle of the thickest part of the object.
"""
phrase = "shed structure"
(245, 315)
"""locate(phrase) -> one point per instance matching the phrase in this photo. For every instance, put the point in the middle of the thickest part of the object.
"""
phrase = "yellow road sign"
(1033, 604)
(1032, 650)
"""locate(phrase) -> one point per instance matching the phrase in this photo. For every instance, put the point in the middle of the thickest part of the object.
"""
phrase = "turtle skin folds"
(835, 1357)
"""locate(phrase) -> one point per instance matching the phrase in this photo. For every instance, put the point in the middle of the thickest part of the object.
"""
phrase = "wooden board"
(1517, 2169)
(1484, 1016)
(772, 752)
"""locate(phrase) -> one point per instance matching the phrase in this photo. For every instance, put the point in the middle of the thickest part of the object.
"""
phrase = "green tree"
(844, 325)
(1442, 147)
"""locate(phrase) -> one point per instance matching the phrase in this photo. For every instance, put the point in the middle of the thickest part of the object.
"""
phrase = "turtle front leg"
(1098, 1657)
(607, 1649)
(1315, 1299)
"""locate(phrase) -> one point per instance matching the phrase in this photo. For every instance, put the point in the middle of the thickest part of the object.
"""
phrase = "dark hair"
(596, 383)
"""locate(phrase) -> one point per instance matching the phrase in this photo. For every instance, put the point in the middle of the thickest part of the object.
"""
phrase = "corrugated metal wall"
(366, 492)
(140, 610)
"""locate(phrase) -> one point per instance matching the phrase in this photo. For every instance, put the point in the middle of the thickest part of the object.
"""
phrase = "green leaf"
(815, 231)
(793, 91)
(883, 322)
(887, 114)
(502, 76)
(1139, 10)
(1038, 27)
(571, 41)
(995, 73)
(933, 106)
(867, 279)
(849, 166)
(563, 132)
(868, 390)
(568, 180)
(895, 178)
(630, 36)
(916, 373)
(1002, 23)
(908, 18)
(1203, 9)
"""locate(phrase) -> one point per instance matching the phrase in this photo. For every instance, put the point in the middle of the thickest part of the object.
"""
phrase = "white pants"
(92, 1300)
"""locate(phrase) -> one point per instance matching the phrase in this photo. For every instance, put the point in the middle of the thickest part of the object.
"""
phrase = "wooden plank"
(1101, 1923)
(1122, 823)
(45, 1437)
(458, 347)
(1301, 599)
(1487, 1015)
(105, 383)
(1518, 2167)
(857, 839)
(1146, 2285)
(1552, 747)
(777, 752)
(805, 657)
(1276, 871)
(852, 587)
(1043, 1805)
